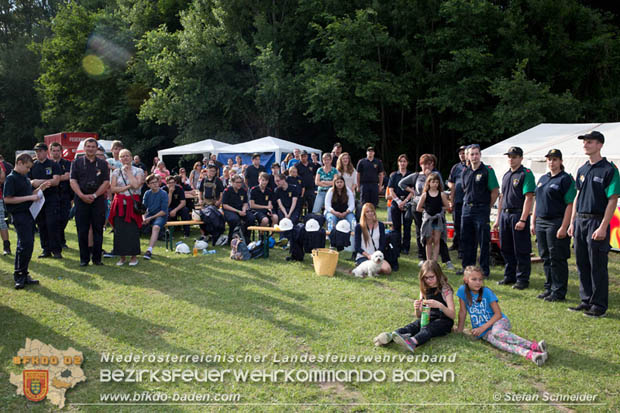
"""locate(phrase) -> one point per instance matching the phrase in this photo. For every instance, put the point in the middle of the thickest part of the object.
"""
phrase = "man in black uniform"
(306, 171)
(598, 187)
(370, 177)
(90, 179)
(513, 220)
(236, 208)
(455, 183)
(176, 203)
(18, 196)
(399, 210)
(261, 202)
(66, 194)
(48, 220)
(287, 197)
(253, 171)
(336, 151)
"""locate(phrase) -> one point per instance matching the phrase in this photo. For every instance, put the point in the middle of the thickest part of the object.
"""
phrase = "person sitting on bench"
(261, 202)
(236, 208)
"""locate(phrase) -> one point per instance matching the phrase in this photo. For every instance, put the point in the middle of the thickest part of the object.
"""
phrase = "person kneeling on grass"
(156, 203)
(436, 293)
(487, 319)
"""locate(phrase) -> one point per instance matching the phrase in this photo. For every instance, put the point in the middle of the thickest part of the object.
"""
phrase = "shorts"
(2, 216)
(437, 227)
(160, 221)
(360, 260)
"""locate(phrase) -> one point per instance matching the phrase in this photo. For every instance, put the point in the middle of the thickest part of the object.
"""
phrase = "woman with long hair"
(339, 204)
(284, 163)
(370, 237)
(194, 175)
(324, 179)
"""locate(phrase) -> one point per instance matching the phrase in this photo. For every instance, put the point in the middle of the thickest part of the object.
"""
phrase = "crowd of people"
(121, 191)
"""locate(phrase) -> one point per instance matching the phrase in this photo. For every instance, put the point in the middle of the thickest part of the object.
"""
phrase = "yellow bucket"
(325, 261)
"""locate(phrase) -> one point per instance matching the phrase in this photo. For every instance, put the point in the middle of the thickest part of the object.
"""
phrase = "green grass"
(212, 305)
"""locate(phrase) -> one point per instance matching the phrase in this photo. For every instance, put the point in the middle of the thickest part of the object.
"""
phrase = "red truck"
(69, 141)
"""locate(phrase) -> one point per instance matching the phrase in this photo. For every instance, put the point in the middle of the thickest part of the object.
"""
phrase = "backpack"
(213, 221)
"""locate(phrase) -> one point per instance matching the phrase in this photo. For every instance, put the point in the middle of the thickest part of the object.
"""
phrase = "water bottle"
(195, 251)
(207, 252)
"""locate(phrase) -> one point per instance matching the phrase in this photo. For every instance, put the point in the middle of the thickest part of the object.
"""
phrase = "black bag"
(392, 249)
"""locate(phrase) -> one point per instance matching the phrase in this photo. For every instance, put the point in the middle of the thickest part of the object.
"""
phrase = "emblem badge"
(515, 182)
(35, 384)
(478, 177)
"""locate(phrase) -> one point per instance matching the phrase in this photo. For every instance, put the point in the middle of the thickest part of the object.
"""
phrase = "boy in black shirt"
(261, 202)
(287, 197)
(176, 203)
(18, 196)
(235, 206)
(252, 172)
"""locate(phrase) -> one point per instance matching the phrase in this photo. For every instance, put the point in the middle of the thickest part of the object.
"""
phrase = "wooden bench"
(168, 235)
(264, 236)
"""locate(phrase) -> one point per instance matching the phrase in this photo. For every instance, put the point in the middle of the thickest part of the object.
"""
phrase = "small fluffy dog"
(370, 267)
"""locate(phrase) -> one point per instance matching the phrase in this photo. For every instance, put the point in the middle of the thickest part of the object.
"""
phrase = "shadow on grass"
(221, 290)
(68, 271)
(15, 328)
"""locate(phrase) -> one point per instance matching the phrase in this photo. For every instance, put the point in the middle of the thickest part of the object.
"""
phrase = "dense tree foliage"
(406, 76)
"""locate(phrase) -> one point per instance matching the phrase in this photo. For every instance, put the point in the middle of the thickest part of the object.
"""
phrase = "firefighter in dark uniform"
(90, 179)
(211, 188)
(455, 183)
(287, 198)
(598, 187)
(18, 196)
(306, 171)
(553, 208)
(66, 194)
(399, 211)
(253, 171)
(370, 177)
(480, 190)
(48, 220)
(513, 219)
(236, 208)
(261, 202)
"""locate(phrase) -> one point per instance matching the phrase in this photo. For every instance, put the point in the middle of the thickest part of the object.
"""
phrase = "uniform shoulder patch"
(488, 166)
(528, 170)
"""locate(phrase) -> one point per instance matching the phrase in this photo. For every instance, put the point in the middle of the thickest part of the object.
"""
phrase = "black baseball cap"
(594, 135)
(304, 152)
(370, 148)
(554, 153)
(40, 147)
(256, 155)
(462, 148)
(514, 150)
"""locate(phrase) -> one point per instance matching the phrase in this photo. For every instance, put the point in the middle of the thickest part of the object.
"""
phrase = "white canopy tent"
(537, 141)
(268, 144)
(201, 147)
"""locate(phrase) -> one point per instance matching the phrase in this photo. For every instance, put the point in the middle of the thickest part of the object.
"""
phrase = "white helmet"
(201, 245)
(312, 225)
(343, 226)
(286, 224)
(182, 248)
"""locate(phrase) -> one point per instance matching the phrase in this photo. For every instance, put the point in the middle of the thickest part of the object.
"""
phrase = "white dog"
(370, 267)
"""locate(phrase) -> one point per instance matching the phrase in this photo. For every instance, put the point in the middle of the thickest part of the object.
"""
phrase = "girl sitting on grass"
(487, 319)
(436, 293)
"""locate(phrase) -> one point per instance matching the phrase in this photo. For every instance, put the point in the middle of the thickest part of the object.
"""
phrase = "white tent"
(268, 144)
(537, 141)
(201, 147)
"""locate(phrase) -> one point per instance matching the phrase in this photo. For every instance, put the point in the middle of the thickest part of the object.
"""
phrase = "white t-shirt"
(369, 247)
(120, 182)
(350, 179)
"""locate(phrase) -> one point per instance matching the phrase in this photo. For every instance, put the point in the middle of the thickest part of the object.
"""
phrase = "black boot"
(20, 280)
(7, 247)
(30, 281)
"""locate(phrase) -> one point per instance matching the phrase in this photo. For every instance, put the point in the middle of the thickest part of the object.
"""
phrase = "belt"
(472, 204)
(589, 216)
(512, 210)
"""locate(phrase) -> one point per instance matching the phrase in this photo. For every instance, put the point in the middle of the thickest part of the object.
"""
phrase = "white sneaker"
(133, 263)
(382, 339)
(542, 346)
(539, 358)
(120, 263)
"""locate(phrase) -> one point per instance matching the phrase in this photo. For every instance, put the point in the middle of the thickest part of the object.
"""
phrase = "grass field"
(212, 305)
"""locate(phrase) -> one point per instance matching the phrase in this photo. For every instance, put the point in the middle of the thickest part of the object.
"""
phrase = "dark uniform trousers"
(475, 231)
(48, 222)
(24, 226)
(515, 246)
(64, 211)
(457, 213)
(369, 193)
(307, 199)
(87, 216)
(235, 220)
(591, 262)
(402, 218)
(183, 213)
(554, 253)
